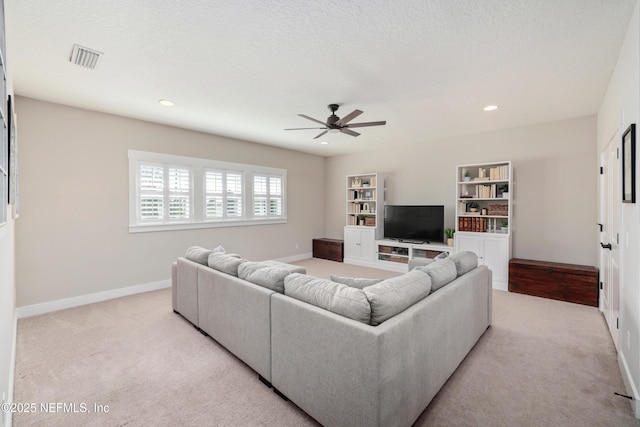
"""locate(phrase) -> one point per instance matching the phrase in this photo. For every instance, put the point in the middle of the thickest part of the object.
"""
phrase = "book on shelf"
(499, 173)
(473, 224)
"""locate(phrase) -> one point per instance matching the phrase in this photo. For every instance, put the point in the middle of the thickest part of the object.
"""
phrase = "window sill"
(147, 228)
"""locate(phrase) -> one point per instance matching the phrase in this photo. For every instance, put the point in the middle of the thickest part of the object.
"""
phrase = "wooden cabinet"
(564, 282)
(331, 249)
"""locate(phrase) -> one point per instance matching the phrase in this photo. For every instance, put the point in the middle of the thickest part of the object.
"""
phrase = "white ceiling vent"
(85, 57)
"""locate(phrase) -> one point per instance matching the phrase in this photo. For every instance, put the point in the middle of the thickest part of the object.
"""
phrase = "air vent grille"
(85, 57)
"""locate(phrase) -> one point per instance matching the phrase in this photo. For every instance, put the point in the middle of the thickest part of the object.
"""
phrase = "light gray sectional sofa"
(316, 342)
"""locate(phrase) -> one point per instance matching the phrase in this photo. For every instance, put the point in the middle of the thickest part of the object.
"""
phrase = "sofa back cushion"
(198, 254)
(441, 272)
(264, 275)
(335, 297)
(354, 282)
(465, 261)
(392, 296)
(227, 263)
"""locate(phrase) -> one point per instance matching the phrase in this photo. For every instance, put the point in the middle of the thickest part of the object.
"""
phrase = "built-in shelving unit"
(364, 200)
(484, 209)
(364, 217)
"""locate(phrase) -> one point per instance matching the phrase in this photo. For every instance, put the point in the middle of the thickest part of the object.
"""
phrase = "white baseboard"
(12, 370)
(47, 307)
(629, 384)
(294, 258)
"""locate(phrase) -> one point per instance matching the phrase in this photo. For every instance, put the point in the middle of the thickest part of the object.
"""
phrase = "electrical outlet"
(628, 340)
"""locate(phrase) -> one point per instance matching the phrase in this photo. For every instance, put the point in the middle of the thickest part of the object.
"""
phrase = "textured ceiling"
(244, 69)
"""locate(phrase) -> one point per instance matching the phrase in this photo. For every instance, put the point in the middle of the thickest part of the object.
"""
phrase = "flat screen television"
(414, 224)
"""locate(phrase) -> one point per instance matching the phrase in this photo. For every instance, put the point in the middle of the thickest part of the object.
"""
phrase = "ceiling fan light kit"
(337, 124)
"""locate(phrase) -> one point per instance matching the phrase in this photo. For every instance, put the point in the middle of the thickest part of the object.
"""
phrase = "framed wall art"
(629, 165)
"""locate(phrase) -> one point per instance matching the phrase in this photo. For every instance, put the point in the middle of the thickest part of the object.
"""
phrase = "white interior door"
(609, 236)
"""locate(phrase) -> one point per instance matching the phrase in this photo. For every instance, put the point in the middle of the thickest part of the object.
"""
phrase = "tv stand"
(394, 254)
(415, 242)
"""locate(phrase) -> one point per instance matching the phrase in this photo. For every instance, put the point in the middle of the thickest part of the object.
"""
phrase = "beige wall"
(555, 178)
(72, 236)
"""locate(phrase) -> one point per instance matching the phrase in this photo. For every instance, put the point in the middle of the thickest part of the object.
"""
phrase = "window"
(267, 195)
(160, 203)
(224, 194)
(173, 192)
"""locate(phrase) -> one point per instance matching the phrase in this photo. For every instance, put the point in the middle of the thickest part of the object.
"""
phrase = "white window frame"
(198, 193)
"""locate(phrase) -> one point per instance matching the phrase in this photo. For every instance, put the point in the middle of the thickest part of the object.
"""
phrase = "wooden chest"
(564, 282)
(331, 249)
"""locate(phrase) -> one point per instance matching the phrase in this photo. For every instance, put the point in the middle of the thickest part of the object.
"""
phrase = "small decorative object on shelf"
(449, 232)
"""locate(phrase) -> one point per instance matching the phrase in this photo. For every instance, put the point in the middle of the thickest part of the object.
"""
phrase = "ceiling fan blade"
(361, 125)
(349, 132)
(321, 133)
(346, 119)
(312, 119)
(305, 128)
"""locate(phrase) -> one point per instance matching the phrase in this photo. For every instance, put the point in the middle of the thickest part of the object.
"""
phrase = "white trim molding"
(48, 307)
(629, 385)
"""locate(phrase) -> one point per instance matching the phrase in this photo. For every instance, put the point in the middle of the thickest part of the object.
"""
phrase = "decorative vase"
(449, 242)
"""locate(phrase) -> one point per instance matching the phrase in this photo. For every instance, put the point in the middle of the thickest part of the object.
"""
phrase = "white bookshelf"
(484, 212)
(364, 217)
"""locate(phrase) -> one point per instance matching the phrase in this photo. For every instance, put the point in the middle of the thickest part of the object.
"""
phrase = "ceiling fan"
(337, 124)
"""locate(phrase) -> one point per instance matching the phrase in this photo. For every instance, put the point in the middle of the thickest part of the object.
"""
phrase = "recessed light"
(490, 108)
(166, 103)
(324, 143)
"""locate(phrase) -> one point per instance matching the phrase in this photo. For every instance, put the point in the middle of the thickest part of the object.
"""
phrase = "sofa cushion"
(441, 272)
(264, 275)
(332, 296)
(465, 261)
(284, 266)
(198, 254)
(227, 263)
(354, 282)
(392, 296)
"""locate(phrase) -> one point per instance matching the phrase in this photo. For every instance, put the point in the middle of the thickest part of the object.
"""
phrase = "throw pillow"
(331, 296)
(441, 255)
(441, 272)
(465, 261)
(284, 266)
(227, 263)
(198, 254)
(354, 282)
(392, 296)
(264, 275)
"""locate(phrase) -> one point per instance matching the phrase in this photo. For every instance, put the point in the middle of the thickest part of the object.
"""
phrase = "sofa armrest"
(186, 289)
(237, 314)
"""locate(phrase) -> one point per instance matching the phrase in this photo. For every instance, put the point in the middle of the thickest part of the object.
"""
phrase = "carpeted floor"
(132, 361)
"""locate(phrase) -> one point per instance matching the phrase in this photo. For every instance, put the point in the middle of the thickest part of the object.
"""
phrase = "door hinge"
(617, 153)
(617, 323)
(617, 238)
(600, 285)
(601, 170)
